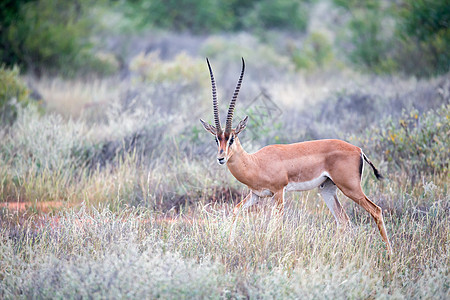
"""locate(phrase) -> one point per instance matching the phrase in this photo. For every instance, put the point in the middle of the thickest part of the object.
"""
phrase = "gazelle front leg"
(279, 201)
(248, 201)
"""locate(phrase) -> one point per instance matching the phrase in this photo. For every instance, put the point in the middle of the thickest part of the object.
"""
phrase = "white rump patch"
(307, 185)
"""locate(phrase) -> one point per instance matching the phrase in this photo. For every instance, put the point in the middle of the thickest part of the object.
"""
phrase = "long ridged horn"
(233, 100)
(214, 96)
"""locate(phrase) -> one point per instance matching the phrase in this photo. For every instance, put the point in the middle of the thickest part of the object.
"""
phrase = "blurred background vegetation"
(121, 71)
(101, 145)
(71, 37)
(381, 66)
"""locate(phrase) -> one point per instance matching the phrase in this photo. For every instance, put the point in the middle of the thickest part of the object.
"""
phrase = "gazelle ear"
(209, 127)
(241, 126)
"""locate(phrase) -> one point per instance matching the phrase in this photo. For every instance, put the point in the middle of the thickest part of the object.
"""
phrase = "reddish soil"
(45, 207)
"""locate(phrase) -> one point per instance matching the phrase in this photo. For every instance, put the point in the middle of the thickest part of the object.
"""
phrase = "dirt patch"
(45, 207)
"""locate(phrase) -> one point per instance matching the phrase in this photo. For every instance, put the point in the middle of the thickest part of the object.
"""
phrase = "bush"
(316, 52)
(413, 37)
(284, 14)
(43, 142)
(193, 15)
(10, 13)
(205, 16)
(369, 46)
(13, 92)
(183, 68)
(416, 144)
(265, 61)
(50, 36)
(425, 36)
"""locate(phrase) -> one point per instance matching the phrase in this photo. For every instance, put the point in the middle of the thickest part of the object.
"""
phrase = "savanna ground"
(110, 187)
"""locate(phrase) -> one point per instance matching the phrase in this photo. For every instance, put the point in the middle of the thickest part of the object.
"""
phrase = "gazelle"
(274, 169)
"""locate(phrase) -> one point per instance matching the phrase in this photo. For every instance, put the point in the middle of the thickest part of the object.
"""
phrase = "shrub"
(413, 37)
(10, 13)
(368, 44)
(205, 16)
(150, 67)
(50, 36)
(284, 14)
(13, 92)
(425, 35)
(42, 142)
(316, 52)
(193, 15)
(416, 144)
(264, 59)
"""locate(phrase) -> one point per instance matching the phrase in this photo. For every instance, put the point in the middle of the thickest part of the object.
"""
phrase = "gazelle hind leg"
(328, 192)
(356, 194)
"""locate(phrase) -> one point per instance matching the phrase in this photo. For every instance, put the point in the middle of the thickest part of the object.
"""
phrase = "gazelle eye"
(217, 142)
(231, 140)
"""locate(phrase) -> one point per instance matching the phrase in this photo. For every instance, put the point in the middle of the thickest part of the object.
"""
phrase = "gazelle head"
(227, 139)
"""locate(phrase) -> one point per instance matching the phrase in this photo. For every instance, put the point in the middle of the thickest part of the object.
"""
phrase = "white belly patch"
(263, 193)
(307, 185)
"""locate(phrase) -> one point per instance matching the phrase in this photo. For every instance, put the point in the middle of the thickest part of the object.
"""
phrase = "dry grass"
(133, 252)
(146, 209)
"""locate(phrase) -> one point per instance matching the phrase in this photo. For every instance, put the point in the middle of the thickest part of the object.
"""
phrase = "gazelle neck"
(240, 163)
(238, 153)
